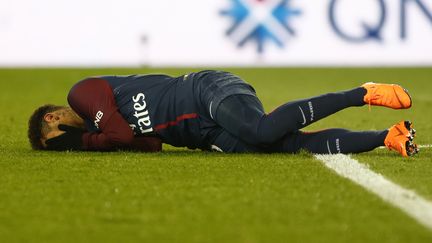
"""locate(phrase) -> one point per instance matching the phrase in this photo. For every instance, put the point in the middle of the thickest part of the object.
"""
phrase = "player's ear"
(49, 117)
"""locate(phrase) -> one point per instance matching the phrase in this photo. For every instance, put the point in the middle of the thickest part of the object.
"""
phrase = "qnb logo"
(98, 118)
(260, 21)
(367, 30)
(367, 20)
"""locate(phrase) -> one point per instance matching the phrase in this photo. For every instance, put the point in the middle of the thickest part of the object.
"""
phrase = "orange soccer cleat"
(388, 95)
(400, 138)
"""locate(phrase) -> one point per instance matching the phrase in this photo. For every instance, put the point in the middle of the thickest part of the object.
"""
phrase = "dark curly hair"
(37, 127)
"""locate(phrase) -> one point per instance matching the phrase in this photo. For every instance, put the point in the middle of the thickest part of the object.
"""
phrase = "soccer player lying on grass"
(209, 110)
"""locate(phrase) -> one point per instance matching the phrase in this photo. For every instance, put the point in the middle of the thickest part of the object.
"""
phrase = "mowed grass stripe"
(407, 200)
(184, 196)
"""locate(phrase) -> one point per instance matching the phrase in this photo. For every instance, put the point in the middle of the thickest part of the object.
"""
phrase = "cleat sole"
(410, 146)
(401, 139)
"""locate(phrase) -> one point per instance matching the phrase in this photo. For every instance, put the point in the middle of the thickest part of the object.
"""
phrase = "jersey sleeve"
(93, 99)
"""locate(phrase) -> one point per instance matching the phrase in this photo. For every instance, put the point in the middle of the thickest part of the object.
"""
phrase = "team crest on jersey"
(260, 21)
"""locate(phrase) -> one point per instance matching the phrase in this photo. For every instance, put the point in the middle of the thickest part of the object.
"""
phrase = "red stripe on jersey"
(178, 119)
(313, 132)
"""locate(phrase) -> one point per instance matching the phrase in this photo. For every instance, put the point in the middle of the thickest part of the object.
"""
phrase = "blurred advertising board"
(216, 33)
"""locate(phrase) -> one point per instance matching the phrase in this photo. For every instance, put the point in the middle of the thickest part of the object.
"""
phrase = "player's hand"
(70, 140)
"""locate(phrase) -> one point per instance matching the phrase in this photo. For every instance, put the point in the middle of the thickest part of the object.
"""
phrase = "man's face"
(64, 116)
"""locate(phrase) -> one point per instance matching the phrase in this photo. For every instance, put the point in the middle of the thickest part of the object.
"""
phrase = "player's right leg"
(244, 117)
(388, 95)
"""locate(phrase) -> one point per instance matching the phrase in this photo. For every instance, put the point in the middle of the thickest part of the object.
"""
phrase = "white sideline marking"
(407, 200)
(425, 146)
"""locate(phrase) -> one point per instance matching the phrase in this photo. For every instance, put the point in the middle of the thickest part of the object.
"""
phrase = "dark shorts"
(211, 88)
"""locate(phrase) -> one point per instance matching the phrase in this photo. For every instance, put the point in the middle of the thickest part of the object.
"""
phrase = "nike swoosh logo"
(328, 147)
(211, 115)
(304, 117)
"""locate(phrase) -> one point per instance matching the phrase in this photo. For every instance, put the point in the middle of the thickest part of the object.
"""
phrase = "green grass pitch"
(189, 196)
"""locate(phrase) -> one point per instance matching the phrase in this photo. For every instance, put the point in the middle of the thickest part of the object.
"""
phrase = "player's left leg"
(226, 142)
(331, 141)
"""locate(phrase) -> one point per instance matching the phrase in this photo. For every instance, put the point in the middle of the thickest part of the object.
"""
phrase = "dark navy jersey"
(159, 104)
(178, 110)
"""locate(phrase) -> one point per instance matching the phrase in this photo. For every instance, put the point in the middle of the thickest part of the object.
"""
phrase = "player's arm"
(93, 99)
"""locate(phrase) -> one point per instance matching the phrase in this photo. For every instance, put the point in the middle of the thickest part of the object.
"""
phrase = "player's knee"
(258, 137)
(267, 138)
(259, 133)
